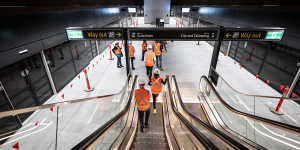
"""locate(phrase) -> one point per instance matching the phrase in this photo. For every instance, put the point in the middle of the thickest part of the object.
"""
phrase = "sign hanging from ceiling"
(182, 34)
(262, 34)
(94, 33)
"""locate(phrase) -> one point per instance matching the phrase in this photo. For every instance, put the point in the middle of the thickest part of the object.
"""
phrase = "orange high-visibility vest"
(156, 85)
(149, 58)
(156, 48)
(118, 51)
(142, 99)
(131, 51)
(144, 46)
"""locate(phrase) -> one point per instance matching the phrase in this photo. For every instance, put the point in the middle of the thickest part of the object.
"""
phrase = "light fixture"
(185, 10)
(23, 51)
(132, 10)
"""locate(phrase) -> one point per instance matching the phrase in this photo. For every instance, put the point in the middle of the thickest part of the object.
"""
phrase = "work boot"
(142, 130)
(154, 110)
(146, 125)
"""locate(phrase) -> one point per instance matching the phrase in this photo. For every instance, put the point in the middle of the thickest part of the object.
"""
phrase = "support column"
(125, 36)
(97, 47)
(48, 72)
(236, 49)
(215, 55)
(228, 48)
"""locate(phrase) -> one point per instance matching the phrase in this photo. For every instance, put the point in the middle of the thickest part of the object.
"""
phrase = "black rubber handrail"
(217, 132)
(201, 137)
(278, 124)
(85, 143)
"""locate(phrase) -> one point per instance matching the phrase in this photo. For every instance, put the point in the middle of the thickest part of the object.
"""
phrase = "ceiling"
(14, 7)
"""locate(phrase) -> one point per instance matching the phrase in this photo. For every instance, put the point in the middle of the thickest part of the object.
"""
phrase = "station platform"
(187, 60)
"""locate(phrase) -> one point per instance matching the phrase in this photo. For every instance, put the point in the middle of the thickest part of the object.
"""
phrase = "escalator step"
(150, 146)
(150, 140)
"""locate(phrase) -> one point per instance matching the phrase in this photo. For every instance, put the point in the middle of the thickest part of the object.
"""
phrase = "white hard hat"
(156, 71)
(142, 81)
(149, 46)
(129, 43)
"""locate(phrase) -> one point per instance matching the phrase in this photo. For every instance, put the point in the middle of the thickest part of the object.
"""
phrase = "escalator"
(170, 128)
(111, 122)
(248, 117)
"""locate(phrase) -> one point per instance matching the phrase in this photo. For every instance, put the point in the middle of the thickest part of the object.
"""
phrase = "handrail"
(277, 124)
(225, 137)
(201, 137)
(263, 96)
(85, 143)
(47, 106)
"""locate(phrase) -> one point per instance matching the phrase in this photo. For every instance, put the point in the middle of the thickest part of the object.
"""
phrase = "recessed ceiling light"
(23, 51)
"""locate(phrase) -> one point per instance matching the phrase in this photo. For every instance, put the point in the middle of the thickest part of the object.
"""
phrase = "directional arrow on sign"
(118, 34)
(228, 35)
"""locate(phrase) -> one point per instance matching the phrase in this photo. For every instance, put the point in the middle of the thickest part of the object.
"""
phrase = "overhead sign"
(94, 33)
(240, 34)
(180, 34)
(184, 34)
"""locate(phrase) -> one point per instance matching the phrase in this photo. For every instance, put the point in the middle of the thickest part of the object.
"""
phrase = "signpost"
(179, 34)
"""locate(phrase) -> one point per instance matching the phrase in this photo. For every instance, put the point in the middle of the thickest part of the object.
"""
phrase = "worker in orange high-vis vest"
(142, 97)
(144, 49)
(118, 52)
(149, 61)
(156, 86)
(131, 55)
(157, 50)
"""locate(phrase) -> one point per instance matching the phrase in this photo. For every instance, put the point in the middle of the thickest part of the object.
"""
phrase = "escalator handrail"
(260, 96)
(277, 124)
(201, 137)
(211, 128)
(97, 133)
(51, 105)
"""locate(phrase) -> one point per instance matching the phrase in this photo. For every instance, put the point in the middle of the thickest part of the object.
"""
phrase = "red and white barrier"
(110, 55)
(87, 81)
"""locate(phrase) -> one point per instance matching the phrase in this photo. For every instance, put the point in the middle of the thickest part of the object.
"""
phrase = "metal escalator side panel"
(173, 145)
(229, 140)
(126, 138)
(220, 125)
(205, 142)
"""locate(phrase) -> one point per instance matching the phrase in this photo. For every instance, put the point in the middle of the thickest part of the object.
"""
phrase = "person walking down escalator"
(157, 50)
(117, 51)
(142, 97)
(156, 86)
(131, 55)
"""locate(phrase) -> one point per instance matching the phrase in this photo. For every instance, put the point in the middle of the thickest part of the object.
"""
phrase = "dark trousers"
(142, 119)
(143, 55)
(149, 71)
(158, 61)
(154, 100)
(119, 63)
(132, 60)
